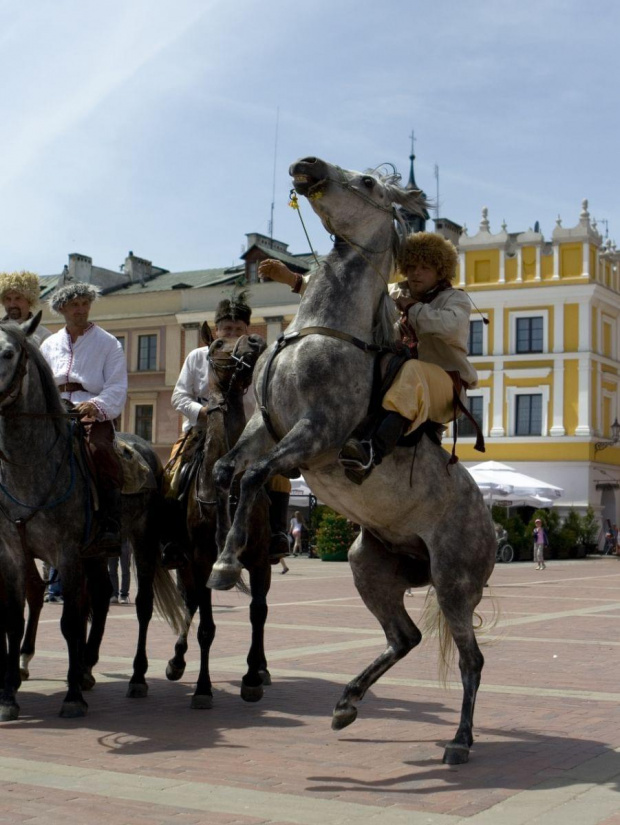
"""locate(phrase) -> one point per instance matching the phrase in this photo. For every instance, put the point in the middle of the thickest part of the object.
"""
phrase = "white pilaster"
(557, 428)
(584, 420)
(519, 265)
(585, 325)
(274, 328)
(558, 328)
(556, 261)
(598, 417)
(537, 276)
(498, 430)
(173, 354)
(585, 270)
(191, 338)
(462, 273)
(502, 266)
(498, 331)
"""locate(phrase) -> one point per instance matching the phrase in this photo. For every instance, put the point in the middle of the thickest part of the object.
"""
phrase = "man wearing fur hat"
(89, 367)
(232, 319)
(435, 320)
(19, 293)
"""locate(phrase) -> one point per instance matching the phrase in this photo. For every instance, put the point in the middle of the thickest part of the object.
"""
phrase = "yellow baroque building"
(546, 345)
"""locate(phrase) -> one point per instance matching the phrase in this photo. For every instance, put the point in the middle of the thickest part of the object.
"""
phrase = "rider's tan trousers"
(421, 392)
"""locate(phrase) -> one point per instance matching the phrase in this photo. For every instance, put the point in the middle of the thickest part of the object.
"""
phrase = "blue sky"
(150, 125)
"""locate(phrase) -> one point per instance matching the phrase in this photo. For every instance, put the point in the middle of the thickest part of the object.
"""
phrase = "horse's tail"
(433, 624)
(168, 601)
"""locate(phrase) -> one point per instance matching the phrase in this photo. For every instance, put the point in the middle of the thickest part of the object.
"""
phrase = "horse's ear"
(31, 324)
(413, 200)
(205, 334)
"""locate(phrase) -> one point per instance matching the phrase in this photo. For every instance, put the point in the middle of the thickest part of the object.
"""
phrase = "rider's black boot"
(359, 457)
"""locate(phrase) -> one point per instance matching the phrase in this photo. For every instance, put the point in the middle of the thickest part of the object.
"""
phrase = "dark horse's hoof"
(251, 693)
(224, 577)
(137, 691)
(343, 717)
(456, 754)
(9, 712)
(201, 702)
(88, 681)
(265, 676)
(73, 710)
(174, 672)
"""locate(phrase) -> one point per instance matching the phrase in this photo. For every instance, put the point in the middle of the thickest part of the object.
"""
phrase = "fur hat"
(70, 291)
(234, 308)
(26, 283)
(430, 249)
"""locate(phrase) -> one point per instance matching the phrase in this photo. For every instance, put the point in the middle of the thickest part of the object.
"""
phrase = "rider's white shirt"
(191, 390)
(96, 361)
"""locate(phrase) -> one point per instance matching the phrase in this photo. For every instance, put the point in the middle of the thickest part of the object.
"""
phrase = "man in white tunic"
(232, 319)
(19, 293)
(89, 368)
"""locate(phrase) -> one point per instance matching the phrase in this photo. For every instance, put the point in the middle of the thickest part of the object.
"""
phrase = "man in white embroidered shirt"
(89, 368)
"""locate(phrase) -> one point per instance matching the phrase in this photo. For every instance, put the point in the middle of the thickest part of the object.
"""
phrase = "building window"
(530, 334)
(253, 272)
(144, 421)
(475, 404)
(528, 417)
(121, 341)
(147, 352)
(475, 342)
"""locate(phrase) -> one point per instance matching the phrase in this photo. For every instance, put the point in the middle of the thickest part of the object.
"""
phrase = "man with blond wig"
(19, 293)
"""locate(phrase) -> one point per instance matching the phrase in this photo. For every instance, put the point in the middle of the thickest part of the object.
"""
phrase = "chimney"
(139, 270)
(80, 268)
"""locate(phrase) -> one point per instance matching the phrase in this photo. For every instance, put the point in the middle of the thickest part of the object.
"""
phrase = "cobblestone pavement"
(547, 737)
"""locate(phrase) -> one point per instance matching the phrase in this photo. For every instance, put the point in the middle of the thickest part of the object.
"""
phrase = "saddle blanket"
(137, 475)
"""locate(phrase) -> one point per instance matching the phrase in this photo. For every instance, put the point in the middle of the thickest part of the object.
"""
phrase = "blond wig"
(26, 283)
(432, 250)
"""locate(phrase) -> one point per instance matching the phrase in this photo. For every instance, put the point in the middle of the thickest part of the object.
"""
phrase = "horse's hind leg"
(257, 674)
(176, 666)
(35, 590)
(457, 606)
(145, 573)
(381, 582)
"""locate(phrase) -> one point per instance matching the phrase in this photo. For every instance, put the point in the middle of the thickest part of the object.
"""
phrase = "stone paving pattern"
(547, 735)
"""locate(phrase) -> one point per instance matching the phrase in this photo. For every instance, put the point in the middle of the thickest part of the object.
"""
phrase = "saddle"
(137, 474)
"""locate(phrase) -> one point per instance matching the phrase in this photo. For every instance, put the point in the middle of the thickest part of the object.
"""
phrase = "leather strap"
(71, 386)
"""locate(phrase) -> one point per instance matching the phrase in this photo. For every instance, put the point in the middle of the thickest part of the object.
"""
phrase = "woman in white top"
(295, 529)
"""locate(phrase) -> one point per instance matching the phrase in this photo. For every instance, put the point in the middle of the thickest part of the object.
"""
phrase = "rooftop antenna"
(437, 191)
(275, 156)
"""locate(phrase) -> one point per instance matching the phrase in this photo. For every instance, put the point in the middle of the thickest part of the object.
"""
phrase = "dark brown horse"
(230, 374)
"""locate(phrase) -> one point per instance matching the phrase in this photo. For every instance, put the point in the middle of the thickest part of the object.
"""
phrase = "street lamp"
(615, 438)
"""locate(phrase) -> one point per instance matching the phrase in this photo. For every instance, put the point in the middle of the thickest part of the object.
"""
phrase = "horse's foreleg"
(100, 590)
(381, 582)
(35, 591)
(257, 674)
(14, 630)
(203, 695)
(253, 443)
(185, 582)
(302, 442)
(138, 687)
(73, 627)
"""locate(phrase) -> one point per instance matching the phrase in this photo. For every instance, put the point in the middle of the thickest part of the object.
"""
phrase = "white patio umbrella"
(501, 482)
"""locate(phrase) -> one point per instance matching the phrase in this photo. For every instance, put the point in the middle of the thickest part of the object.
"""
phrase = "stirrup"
(356, 464)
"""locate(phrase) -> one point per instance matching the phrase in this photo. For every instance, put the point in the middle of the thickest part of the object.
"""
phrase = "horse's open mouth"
(309, 176)
(307, 185)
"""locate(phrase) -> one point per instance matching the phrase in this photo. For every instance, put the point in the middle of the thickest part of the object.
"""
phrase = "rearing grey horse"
(314, 387)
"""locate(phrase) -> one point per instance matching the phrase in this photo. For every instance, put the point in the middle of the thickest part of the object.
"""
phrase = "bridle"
(12, 392)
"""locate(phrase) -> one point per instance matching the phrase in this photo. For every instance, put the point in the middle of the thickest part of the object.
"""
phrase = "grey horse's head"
(351, 204)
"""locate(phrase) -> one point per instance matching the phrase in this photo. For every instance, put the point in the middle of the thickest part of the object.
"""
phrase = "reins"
(288, 338)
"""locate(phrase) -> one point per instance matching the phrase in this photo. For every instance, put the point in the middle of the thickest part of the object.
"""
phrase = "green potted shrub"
(334, 536)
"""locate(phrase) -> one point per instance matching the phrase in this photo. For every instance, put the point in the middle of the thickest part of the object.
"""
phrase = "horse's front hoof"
(24, 673)
(265, 676)
(251, 693)
(174, 672)
(224, 576)
(137, 691)
(9, 713)
(456, 754)
(342, 717)
(73, 710)
(203, 702)
(88, 681)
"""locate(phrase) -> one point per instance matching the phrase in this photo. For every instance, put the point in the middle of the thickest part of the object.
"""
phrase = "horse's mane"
(51, 396)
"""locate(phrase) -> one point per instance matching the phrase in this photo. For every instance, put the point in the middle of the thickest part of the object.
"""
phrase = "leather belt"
(71, 386)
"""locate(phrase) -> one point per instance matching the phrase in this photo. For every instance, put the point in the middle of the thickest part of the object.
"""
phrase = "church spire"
(412, 184)
(415, 223)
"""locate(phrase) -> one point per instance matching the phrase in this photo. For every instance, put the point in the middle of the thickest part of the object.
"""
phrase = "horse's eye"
(368, 181)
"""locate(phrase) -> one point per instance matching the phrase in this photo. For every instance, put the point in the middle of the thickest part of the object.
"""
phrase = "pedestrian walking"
(121, 595)
(540, 542)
